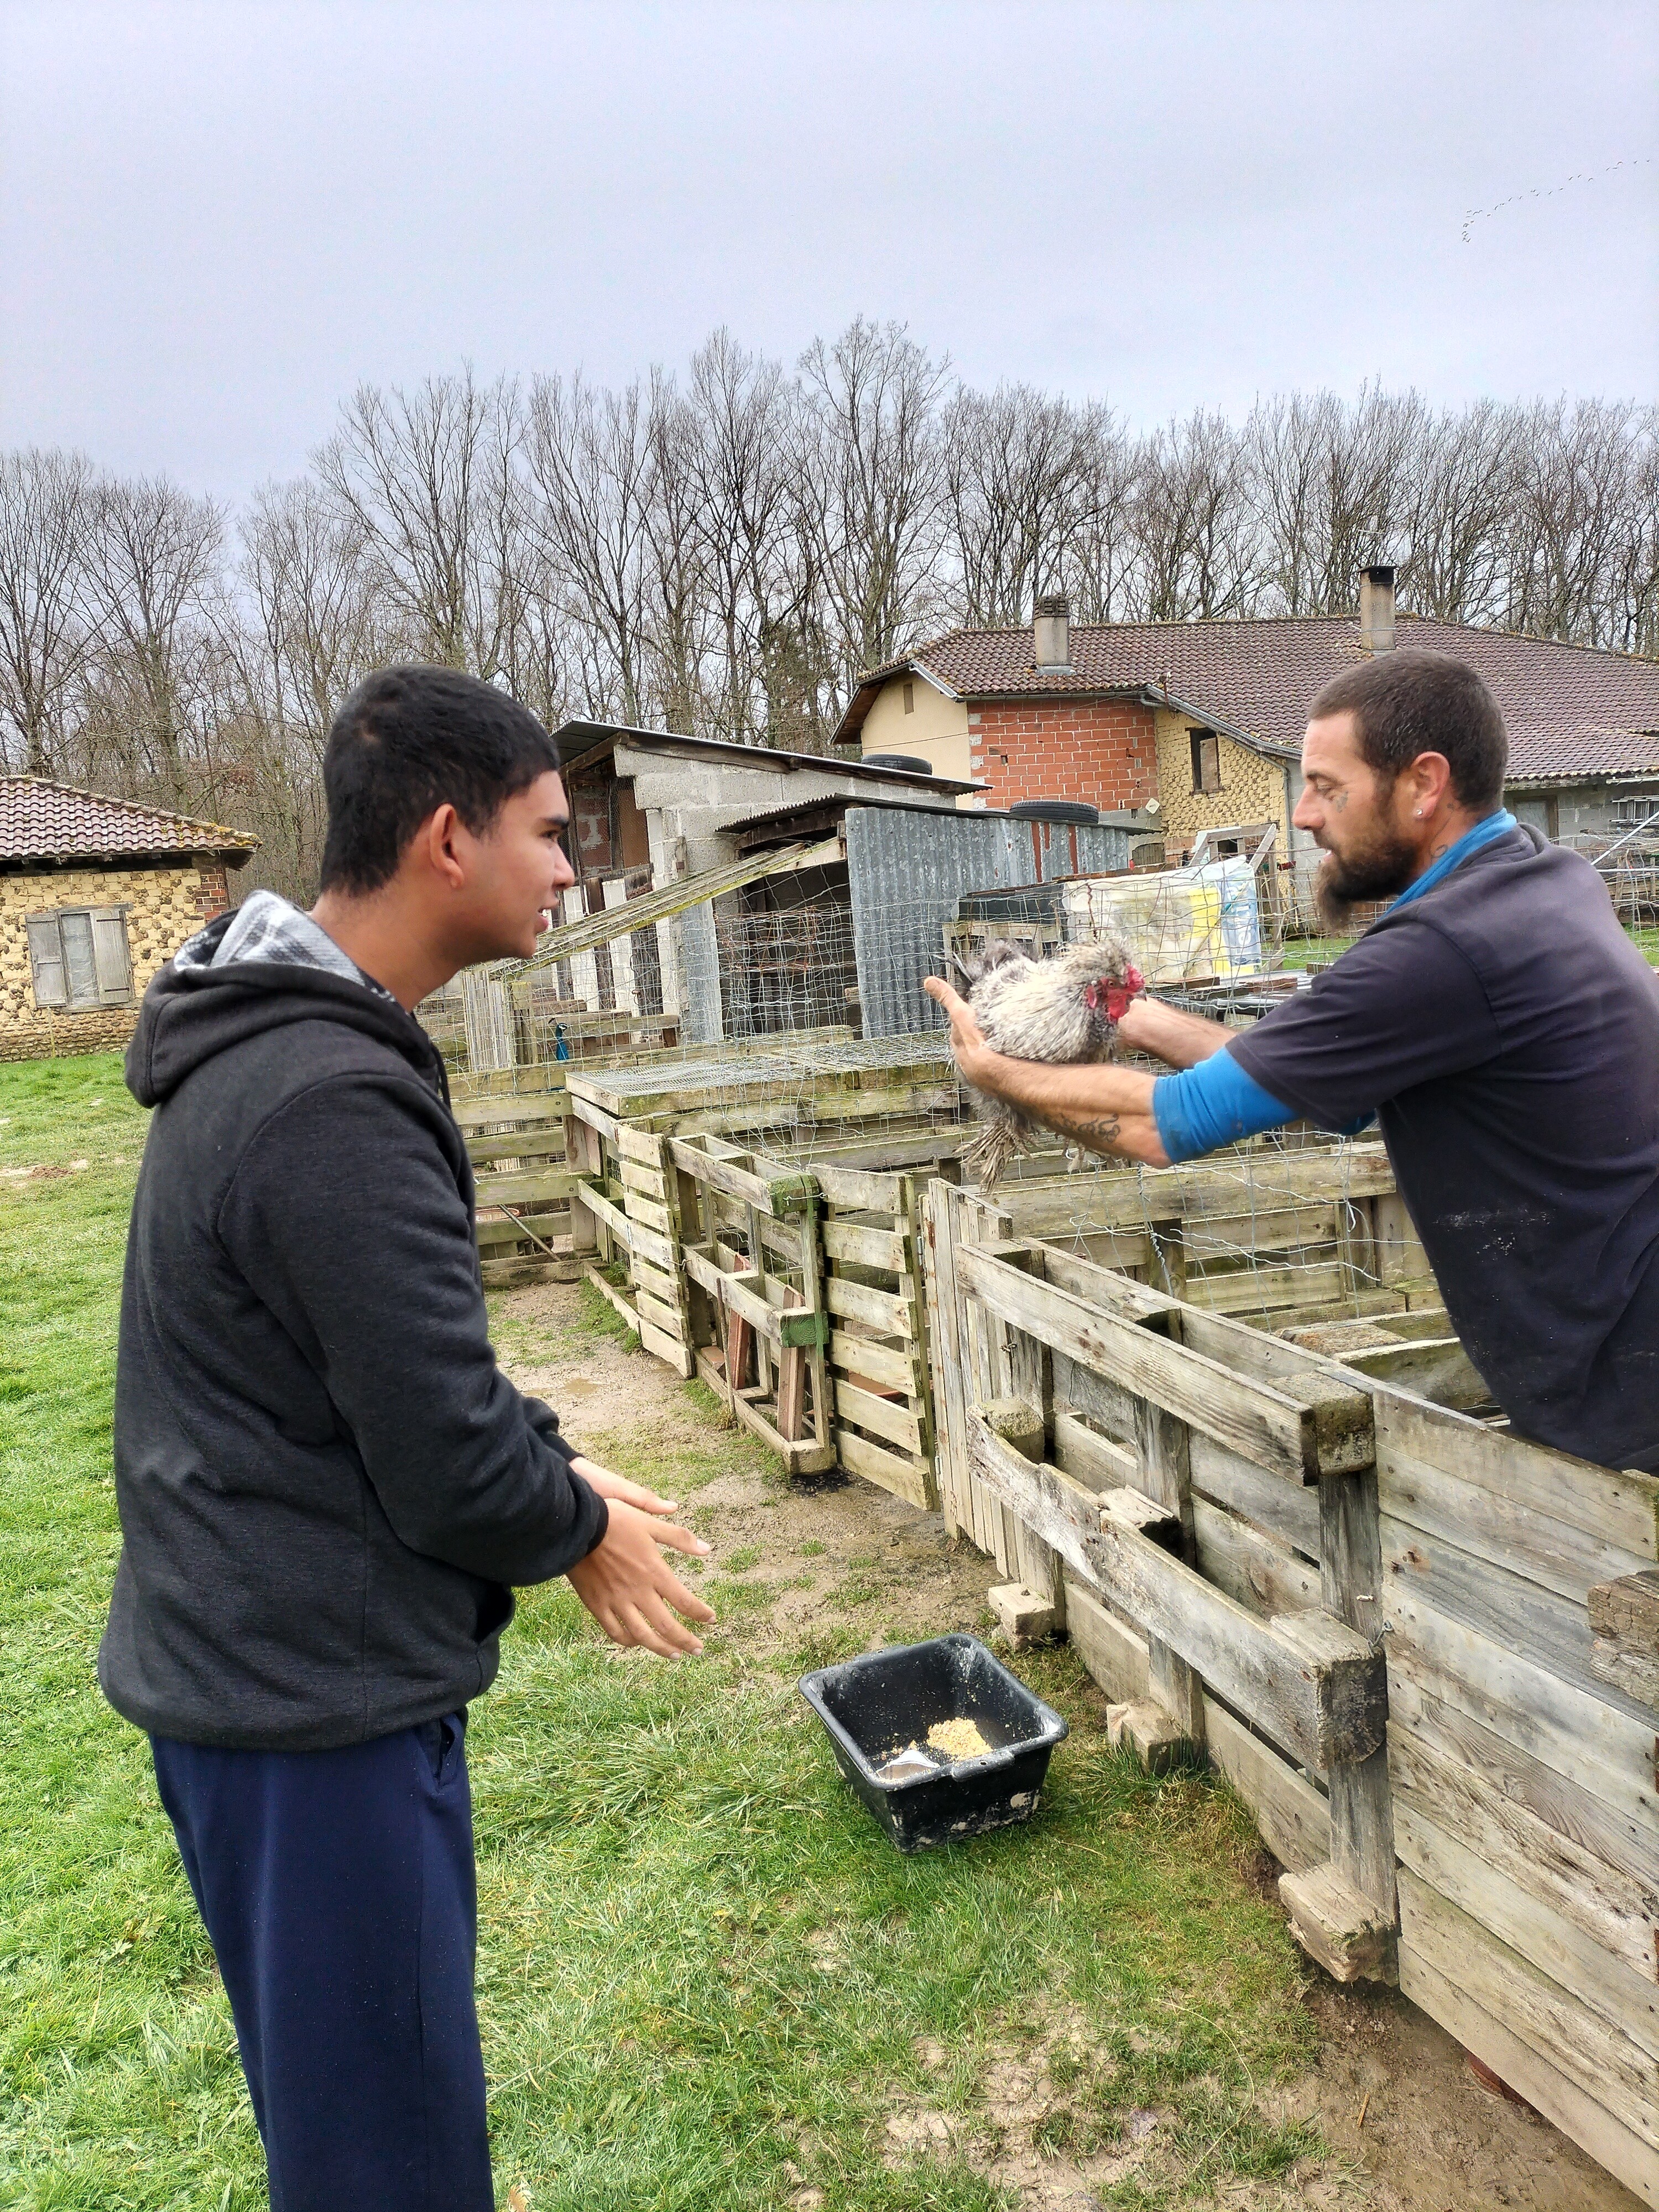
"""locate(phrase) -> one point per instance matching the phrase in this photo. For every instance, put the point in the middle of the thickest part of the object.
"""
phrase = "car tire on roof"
(913, 762)
(1054, 809)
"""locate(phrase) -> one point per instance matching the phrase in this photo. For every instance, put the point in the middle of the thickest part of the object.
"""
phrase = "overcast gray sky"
(215, 220)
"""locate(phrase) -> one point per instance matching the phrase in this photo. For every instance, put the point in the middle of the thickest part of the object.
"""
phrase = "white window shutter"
(109, 952)
(46, 961)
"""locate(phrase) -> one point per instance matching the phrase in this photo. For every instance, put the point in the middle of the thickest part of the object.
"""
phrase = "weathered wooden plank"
(605, 1210)
(655, 1216)
(652, 1182)
(904, 1477)
(1256, 1569)
(879, 1309)
(1313, 1683)
(805, 1457)
(1621, 1510)
(535, 1186)
(944, 1357)
(613, 1297)
(1455, 1870)
(1290, 1514)
(856, 1356)
(1264, 1290)
(1617, 1912)
(664, 1317)
(1292, 1816)
(857, 1190)
(1090, 1458)
(1628, 1841)
(1628, 1609)
(1436, 1368)
(1604, 2063)
(1583, 2118)
(1561, 1555)
(1587, 1740)
(865, 1247)
(1530, 1620)
(1261, 1423)
(762, 1184)
(884, 1416)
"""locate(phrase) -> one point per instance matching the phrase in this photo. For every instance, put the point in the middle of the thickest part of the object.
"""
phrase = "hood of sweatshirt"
(256, 968)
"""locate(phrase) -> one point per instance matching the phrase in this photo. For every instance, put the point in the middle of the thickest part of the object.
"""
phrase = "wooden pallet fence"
(1511, 1810)
(624, 1211)
(1278, 1235)
(758, 1324)
(523, 1179)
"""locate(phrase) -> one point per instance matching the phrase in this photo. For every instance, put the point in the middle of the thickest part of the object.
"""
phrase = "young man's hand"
(625, 1582)
(601, 1480)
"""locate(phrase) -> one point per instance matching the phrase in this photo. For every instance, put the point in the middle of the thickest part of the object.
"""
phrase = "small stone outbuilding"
(96, 894)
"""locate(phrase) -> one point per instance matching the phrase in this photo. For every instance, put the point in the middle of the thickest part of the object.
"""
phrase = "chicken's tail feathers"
(989, 1149)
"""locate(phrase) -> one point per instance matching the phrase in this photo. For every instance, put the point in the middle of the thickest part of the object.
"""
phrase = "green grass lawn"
(706, 1981)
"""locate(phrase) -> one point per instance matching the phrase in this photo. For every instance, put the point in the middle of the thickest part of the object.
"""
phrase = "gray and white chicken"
(1064, 1010)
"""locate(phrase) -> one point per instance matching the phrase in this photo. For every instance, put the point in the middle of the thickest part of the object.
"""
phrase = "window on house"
(1206, 760)
(78, 958)
(1628, 812)
(909, 698)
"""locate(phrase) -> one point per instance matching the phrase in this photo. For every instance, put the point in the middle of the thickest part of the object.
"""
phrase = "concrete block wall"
(1102, 752)
(164, 907)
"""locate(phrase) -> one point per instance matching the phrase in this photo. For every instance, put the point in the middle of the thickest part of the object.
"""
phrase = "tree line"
(723, 552)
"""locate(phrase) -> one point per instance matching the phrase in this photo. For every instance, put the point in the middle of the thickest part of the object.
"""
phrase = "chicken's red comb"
(1117, 995)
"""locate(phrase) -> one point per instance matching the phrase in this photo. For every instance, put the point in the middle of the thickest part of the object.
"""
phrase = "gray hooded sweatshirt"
(327, 1486)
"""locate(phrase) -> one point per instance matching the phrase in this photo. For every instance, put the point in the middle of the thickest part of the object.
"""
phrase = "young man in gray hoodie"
(327, 1487)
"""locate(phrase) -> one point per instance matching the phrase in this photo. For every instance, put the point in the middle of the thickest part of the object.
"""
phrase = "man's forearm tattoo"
(1096, 1136)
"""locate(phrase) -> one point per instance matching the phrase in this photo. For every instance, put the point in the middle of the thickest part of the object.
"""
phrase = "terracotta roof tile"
(1571, 710)
(43, 820)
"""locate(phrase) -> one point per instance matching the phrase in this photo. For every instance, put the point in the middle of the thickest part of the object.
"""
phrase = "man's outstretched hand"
(968, 1044)
(625, 1582)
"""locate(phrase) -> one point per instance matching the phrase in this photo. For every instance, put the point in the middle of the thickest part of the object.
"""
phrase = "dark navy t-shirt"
(1506, 1032)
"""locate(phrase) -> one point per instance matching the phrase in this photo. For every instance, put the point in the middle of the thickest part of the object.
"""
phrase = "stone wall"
(1252, 786)
(164, 907)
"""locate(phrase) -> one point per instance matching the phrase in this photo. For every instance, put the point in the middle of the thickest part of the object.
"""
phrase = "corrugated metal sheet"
(906, 872)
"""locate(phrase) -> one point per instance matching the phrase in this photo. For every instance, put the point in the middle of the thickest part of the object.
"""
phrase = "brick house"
(1195, 725)
(96, 894)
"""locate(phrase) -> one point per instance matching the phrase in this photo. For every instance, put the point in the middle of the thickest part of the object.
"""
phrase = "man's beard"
(1379, 868)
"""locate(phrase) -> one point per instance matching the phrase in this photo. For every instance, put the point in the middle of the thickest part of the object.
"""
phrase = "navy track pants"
(339, 1892)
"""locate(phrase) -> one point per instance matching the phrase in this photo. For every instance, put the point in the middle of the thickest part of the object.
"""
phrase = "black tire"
(913, 762)
(1055, 810)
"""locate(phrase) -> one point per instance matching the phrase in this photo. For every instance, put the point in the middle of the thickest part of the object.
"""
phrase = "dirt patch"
(1406, 2127)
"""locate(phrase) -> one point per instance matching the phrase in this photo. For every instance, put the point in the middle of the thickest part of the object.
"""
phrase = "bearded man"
(1497, 1022)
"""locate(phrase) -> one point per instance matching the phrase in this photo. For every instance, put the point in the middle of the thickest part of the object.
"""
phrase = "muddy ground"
(1409, 2129)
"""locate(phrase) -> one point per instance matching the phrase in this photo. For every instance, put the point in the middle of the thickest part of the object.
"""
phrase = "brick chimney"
(1051, 634)
(1376, 609)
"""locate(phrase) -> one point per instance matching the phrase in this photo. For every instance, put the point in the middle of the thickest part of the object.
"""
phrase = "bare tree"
(1191, 521)
(153, 575)
(590, 462)
(429, 478)
(1017, 481)
(876, 462)
(45, 500)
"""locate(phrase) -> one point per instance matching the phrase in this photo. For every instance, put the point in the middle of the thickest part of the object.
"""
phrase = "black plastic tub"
(875, 1708)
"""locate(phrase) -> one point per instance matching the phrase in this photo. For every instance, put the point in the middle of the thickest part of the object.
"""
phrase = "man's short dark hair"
(408, 741)
(1407, 703)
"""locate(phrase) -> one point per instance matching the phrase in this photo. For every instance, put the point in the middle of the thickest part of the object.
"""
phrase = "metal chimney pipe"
(1376, 609)
(1051, 633)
